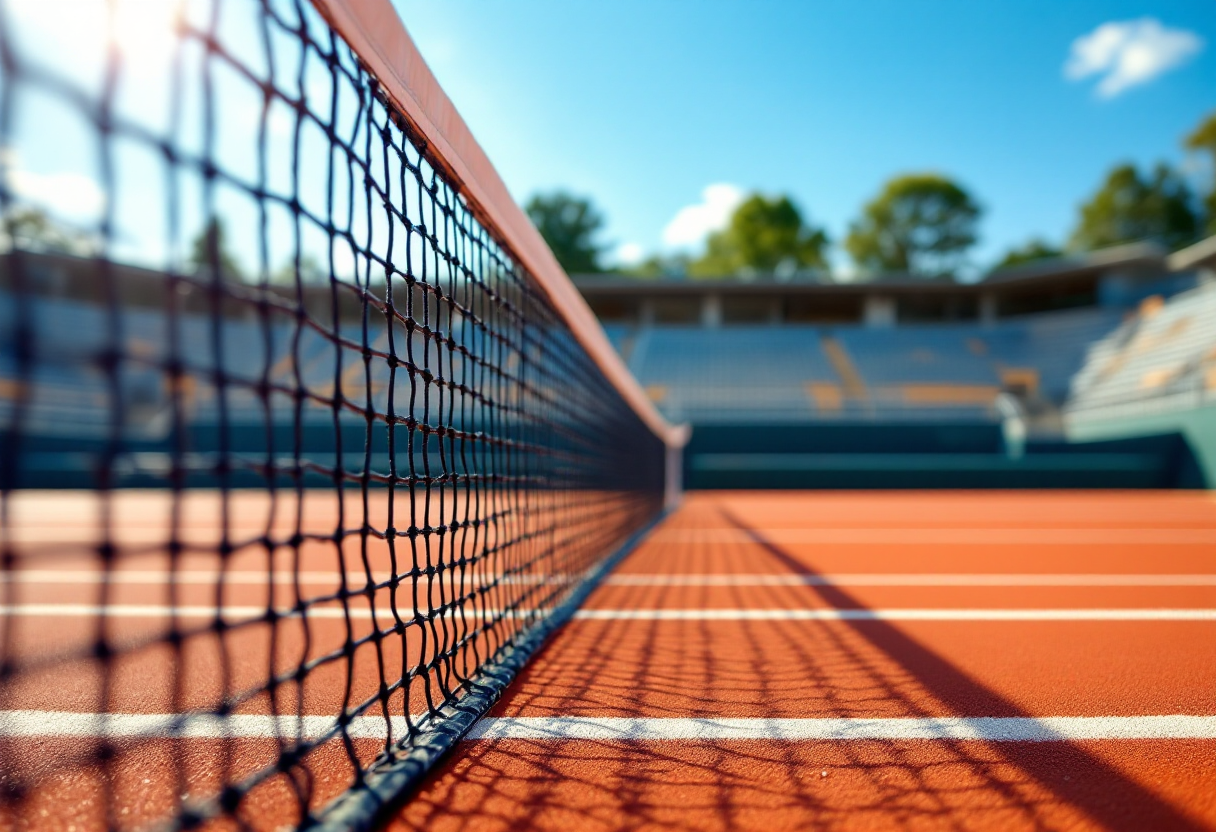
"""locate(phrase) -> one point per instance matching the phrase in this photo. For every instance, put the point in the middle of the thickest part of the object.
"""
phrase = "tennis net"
(306, 442)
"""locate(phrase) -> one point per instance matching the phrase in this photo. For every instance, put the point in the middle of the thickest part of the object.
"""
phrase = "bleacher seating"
(944, 354)
(1055, 344)
(1162, 358)
(792, 373)
(70, 387)
(724, 374)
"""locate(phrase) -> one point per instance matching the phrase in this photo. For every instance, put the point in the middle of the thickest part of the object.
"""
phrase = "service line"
(15, 724)
(898, 615)
(985, 729)
(945, 536)
(384, 611)
(233, 613)
(202, 535)
(40, 724)
(247, 577)
(913, 579)
(235, 577)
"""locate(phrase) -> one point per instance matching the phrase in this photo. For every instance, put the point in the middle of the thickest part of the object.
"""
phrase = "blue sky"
(642, 105)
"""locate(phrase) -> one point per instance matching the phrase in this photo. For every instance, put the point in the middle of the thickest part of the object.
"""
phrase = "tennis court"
(843, 661)
(326, 503)
(760, 660)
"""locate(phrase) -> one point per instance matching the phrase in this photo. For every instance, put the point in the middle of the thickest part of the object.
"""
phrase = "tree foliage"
(1203, 140)
(570, 225)
(210, 247)
(765, 235)
(1030, 251)
(922, 224)
(1130, 206)
(32, 229)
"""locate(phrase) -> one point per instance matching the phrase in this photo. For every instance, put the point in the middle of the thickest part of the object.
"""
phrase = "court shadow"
(1065, 769)
(694, 669)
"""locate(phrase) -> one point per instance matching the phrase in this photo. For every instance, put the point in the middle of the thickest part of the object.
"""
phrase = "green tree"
(764, 235)
(32, 229)
(211, 247)
(570, 225)
(1203, 140)
(920, 223)
(1030, 251)
(1129, 207)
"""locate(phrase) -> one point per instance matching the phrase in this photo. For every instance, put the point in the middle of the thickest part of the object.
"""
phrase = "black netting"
(291, 446)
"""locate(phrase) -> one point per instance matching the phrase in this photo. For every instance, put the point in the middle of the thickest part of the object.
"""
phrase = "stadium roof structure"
(1118, 276)
(1201, 255)
(1146, 256)
(1141, 255)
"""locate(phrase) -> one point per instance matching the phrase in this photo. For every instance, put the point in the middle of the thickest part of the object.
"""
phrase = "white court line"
(384, 612)
(184, 611)
(188, 577)
(940, 536)
(210, 577)
(900, 615)
(244, 613)
(987, 729)
(208, 535)
(128, 534)
(191, 726)
(207, 577)
(914, 579)
(35, 724)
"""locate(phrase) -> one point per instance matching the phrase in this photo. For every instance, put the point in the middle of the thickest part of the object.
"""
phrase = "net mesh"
(292, 445)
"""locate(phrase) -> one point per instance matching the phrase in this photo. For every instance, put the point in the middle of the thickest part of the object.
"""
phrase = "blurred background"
(876, 244)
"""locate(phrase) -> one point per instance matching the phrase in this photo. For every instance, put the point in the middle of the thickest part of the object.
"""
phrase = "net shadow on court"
(645, 668)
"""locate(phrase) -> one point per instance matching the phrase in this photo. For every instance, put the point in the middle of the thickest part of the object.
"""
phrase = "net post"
(673, 459)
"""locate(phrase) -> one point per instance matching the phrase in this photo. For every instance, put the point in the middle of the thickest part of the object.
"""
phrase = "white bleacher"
(1161, 359)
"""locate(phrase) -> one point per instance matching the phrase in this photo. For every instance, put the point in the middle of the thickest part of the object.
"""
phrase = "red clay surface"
(697, 668)
(164, 651)
(1128, 785)
(658, 669)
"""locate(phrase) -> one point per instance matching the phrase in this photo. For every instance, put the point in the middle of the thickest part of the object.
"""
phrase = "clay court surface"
(959, 561)
(766, 661)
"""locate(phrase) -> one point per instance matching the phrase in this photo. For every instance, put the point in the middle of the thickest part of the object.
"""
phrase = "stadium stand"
(1053, 342)
(896, 382)
(703, 375)
(859, 376)
(1156, 372)
(799, 372)
(1164, 352)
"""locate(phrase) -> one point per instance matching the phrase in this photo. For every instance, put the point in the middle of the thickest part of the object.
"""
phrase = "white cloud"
(629, 254)
(693, 223)
(1130, 52)
(69, 195)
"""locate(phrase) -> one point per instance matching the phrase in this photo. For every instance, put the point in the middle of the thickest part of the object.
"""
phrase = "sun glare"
(143, 30)
(146, 29)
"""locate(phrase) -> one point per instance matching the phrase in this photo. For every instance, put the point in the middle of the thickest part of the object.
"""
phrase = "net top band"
(376, 33)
